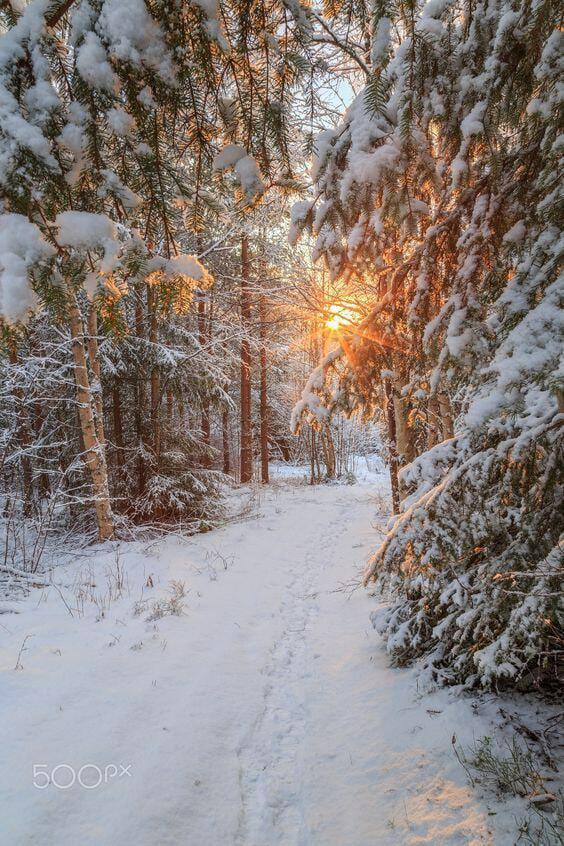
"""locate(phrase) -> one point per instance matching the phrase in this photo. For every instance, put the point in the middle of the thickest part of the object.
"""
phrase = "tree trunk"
(95, 455)
(202, 336)
(118, 425)
(246, 456)
(264, 455)
(433, 422)
(140, 398)
(94, 360)
(155, 375)
(24, 436)
(44, 485)
(405, 446)
(225, 441)
(317, 463)
(391, 418)
(181, 408)
(328, 452)
(446, 416)
(312, 457)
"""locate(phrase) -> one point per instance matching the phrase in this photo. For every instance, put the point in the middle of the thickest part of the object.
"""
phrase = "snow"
(125, 32)
(93, 65)
(228, 156)
(311, 403)
(246, 169)
(135, 37)
(430, 26)
(473, 124)
(145, 97)
(17, 133)
(376, 222)
(41, 97)
(435, 8)
(143, 149)
(249, 177)
(323, 143)
(299, 214)
(29, 26)
(380, 42)
(212, 23)
(88, 230)
(120, 122)
(81, 21)
(113, 183)
(321, 213)
(516, 234)
(84, 229)
(189, 266)
(264, 712)
(458, 169)
(368, 166)
(21, 245)
(72, 137)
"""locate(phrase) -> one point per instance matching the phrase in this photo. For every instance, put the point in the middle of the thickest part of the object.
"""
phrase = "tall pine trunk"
(246, 455)
(446, 416)
(312, 457)
(433, 422)
(94, 361)
(140, 398)
(94, 450)
(264, 455)
(405, 443)
(155, 375)
(24, 435)
(225, 441)
(118, 425)
(205, 420)
(391, 418)
(328, 451)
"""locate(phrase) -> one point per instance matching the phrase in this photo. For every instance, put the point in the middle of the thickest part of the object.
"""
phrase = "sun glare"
(340, 316)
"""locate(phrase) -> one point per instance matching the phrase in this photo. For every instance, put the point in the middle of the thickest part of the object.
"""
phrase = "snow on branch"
(310, 402)
(22, 245)
(235, 157)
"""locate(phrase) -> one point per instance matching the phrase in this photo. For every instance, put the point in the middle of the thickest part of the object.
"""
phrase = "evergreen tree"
(125, 128)
(439, 192)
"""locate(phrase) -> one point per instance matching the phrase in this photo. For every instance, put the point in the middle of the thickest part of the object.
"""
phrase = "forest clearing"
(281, 422)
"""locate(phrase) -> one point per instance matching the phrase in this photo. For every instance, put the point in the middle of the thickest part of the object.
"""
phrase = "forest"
(282, 388)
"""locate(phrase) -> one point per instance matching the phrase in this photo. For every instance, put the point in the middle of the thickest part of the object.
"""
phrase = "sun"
(340, 316)
(334, 322)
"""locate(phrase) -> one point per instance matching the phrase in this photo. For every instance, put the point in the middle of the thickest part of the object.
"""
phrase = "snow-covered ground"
(257, 709)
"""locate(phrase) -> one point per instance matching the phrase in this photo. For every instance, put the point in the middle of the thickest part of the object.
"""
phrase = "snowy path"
(265, 714)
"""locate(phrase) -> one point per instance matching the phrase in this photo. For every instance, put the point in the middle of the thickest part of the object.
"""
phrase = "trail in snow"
(265, 715)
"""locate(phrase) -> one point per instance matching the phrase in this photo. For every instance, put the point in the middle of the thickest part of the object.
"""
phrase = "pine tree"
(439, 193)
(117, 120)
